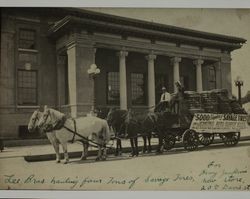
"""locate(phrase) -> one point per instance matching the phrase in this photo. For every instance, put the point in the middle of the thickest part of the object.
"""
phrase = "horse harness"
(74, 132)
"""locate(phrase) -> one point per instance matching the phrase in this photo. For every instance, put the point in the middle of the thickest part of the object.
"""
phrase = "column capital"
(175, 60)
(150, 57)
(198, 62)
(226, 59)
(122, 54)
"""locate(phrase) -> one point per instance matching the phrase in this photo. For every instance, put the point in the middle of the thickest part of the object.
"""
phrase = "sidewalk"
(47, 149)
(46, 152)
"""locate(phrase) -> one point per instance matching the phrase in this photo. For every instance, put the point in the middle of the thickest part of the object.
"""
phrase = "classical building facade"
(46, 53)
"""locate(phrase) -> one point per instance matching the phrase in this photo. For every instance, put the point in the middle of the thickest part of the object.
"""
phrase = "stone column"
(123, 80)
(175, 61)
(151, 81)
(71, 52)
(226, 76)
(80, 57)
(198, 64)
(60, 65)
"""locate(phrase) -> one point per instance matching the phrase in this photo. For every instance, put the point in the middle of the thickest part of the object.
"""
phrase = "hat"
(163, 88)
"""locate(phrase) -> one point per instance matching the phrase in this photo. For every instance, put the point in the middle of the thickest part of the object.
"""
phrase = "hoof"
(66, 162)
(131, 155)
(159, 152)
(97, 159)
(104, 158)
(83, 158)
(58, 161)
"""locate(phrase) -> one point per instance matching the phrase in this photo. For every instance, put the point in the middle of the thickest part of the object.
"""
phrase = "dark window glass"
(27, 87)
(138, 89)
(212, 77)
(27, 39)
(113, 88)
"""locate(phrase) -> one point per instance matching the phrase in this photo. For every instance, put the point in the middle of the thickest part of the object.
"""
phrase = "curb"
(77, 154)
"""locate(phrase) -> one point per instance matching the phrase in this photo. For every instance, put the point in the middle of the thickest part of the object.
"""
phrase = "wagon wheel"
(206, 138)
(230, 139)
(190, 140)
(169, 141)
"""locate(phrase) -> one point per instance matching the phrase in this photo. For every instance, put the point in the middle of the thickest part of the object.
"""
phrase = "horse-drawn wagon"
(202, 116)
(193, 119)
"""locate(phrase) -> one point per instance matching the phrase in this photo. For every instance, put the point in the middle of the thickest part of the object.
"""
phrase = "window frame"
(110, 102)
(210, 80)
(144, 103)
(35, 39)
(36, 89)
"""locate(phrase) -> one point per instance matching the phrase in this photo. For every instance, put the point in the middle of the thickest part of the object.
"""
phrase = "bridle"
(46, 115)
(35, 119)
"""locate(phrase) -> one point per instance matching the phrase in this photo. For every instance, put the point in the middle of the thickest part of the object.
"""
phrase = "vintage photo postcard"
(125, 99)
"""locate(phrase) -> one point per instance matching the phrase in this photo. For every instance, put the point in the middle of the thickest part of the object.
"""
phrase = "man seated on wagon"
(164, 104)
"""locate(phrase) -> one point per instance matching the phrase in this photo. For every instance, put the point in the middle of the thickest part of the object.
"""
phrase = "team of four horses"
(99, 130)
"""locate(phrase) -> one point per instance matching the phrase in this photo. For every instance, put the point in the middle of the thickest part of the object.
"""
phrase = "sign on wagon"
(218, 123)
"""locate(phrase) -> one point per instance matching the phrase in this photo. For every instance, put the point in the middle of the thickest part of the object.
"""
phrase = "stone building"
(46, 53)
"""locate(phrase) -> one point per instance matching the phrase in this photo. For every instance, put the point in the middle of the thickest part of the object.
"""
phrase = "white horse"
(34, 119)
(91, 128)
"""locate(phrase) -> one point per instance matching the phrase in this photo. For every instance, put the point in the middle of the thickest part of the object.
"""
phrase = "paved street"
(208, 168)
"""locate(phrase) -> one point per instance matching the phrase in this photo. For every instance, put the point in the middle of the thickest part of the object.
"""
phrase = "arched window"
(211, 78)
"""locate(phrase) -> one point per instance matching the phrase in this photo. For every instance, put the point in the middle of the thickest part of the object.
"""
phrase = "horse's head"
(44, 119)
(33, 123)
(110, 116)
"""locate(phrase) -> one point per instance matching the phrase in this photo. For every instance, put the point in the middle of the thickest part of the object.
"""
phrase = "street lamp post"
(93, 71)
(239, 83)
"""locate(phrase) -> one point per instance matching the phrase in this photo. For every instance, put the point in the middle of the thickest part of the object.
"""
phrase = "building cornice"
(72, 22)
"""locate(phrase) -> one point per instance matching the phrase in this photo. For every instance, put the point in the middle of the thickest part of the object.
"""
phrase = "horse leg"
(136, 146)
(85, 151)
(56, 147)
(55, 144)
(99, 153)
(149, 143)
(104, 155)
(117, 150)
(120, 146)
(65, 150)
(144, 144)
(132, 147)
(160, 146)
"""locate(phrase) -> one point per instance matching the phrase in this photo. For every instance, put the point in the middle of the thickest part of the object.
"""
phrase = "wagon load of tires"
(193, 101)
(224, 102)
(209, 101)
(236, 107)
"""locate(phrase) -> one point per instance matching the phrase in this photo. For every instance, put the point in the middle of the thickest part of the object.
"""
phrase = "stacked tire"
(209, 102)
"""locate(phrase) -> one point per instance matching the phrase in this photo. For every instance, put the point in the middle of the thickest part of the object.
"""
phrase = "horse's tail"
(106, 132)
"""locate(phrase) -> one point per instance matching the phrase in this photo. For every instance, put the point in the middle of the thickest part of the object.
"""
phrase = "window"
(113, 88)
(138, 89)
(27, 87)
(212, 77)
(27, 39)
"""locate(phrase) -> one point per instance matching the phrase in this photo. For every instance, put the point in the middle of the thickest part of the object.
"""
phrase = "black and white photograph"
(112, 99)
